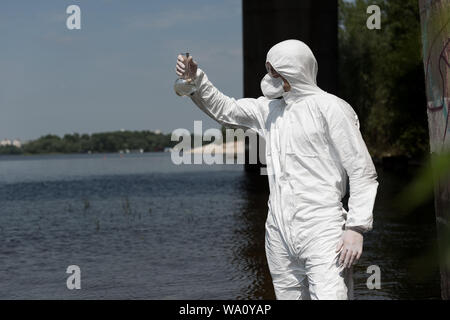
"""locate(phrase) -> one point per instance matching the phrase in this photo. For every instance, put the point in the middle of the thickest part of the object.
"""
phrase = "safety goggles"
(271, 71)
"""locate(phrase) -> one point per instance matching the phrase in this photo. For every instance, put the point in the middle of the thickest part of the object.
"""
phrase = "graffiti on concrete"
(435, 21)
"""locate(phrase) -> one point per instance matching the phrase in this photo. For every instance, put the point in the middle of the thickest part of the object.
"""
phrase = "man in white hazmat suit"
(313, 143)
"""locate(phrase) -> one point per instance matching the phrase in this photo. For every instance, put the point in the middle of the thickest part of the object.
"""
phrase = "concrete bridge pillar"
(268, 22)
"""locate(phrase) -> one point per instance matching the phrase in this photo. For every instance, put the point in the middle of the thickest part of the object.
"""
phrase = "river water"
(140, 227)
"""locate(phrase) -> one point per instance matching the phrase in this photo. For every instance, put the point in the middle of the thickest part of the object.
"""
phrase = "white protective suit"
(312, 143)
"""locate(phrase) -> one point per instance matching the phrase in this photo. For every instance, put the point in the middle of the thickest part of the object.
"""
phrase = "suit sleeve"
(227, 111)
(345, 136)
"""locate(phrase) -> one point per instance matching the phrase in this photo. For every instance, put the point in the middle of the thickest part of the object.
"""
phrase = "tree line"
(381, 75)
(146, 141)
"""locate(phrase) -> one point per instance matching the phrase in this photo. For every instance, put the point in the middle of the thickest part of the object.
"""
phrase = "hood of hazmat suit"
(313, 145)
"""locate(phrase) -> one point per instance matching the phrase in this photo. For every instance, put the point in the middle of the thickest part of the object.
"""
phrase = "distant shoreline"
(77, 153)
(104, 142)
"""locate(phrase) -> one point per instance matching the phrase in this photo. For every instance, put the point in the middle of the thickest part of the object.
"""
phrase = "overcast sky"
(117, 72)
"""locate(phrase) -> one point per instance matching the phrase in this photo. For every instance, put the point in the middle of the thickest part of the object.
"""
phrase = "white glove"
(350, 247)
(182, 71)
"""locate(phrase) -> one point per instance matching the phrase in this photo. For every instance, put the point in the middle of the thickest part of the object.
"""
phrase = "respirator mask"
(272, 84)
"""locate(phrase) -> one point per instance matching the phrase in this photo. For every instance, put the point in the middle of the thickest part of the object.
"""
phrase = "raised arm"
(245, 112)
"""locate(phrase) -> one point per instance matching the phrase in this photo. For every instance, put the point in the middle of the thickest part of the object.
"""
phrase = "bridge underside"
(268, 22)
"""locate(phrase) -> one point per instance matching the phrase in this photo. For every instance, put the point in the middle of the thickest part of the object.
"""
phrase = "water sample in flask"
(184, 85)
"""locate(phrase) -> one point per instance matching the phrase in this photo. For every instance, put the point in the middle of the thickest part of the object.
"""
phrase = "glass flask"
(184, 85)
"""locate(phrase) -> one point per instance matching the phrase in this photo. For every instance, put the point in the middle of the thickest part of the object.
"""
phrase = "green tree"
(381, 75)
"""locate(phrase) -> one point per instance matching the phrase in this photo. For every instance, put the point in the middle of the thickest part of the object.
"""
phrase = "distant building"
(17, 143)
(5, 142)
(157, 131)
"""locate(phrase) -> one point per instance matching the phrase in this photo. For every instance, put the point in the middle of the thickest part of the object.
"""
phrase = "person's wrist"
(356, 229)
(197, 73)
(197, 78)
